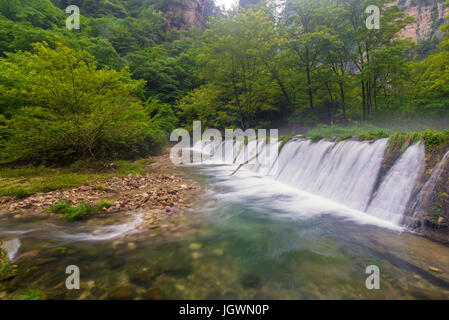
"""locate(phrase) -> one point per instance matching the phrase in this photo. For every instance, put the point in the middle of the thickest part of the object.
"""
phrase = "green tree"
(232, 59)
(65, 108)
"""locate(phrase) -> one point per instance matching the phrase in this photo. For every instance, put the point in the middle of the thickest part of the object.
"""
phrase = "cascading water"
(345, 172)
(424, 198)
(392, 197)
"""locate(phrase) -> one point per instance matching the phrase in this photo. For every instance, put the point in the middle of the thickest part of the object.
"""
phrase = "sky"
(227, 3)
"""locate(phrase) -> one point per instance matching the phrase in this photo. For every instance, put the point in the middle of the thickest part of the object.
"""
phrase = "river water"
(248, 237)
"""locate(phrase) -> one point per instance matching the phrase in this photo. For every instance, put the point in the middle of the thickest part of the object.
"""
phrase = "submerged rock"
(154, 294)
(251, 281)
(145, 277)
(195, 246)
(120, 293)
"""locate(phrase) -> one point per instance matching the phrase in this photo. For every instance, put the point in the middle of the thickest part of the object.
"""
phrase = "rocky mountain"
(190, 13)
(430, 16)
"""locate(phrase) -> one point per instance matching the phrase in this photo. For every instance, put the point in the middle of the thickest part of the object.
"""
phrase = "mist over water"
(270, 231)
(344, 172)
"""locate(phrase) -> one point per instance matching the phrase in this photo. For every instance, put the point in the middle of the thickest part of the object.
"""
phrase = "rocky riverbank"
(161, 189)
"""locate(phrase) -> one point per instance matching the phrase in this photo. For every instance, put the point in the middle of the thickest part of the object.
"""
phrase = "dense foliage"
(316, 62)
(136, 69)
(103, 91)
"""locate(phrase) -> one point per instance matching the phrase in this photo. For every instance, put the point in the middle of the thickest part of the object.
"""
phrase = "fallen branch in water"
(244, 163)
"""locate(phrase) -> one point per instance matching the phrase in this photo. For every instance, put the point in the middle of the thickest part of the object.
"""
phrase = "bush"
(400, 141)
(434, 139)
(317, 137)
(283, 140)
(6, 267)
(69, 109)
(373, 135)
(61, 207)
(344, 136)
(30, 294)
(82, 210)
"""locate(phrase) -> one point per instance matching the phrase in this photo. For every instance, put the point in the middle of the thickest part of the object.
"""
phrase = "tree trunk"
(342, 96)
(309, 88)
(363, 100)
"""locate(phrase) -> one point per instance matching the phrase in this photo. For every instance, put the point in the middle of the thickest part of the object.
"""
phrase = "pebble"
(120, 293)
(117, 243)
(195, 246)
(154, 294)
(131, 245)
(196, 255)
(434, 269)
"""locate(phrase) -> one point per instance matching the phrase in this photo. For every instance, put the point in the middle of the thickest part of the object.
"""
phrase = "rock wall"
(429, 206)
(187, 14)
(429, 15)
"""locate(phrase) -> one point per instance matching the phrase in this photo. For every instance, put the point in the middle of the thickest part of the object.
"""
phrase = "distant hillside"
(182, 14)
(429, 15)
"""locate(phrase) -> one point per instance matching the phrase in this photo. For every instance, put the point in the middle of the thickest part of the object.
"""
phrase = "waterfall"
(394, 193)
(424, 198)
(345, 172)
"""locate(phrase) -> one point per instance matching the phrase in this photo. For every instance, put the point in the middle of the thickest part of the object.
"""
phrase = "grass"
(7, 269)
(398, 140)
(435, 139)
(344, 136)
(373, 135)
(339, 133)
(82, 210)
(284, 139)
(30, 294)
(26, 181)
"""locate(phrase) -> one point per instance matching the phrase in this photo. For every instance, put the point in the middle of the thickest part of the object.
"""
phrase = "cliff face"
(187, 14)
(429, 15)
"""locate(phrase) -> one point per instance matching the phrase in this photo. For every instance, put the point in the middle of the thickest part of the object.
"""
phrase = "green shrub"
(100, 187)
(400, 141)
(434, 139)
(7, 269)
(435, 212)
(61, 207)
(283, 140)
(344, 136)
(373, 135)
(82, 210)
(103, 204)
(54, 120)
(317, 137)
(30, 294)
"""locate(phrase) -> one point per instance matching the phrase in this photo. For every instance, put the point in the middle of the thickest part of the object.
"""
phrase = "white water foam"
(12, 246)
(344, 173)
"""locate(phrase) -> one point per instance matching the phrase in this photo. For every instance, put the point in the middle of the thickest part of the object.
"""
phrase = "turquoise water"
(247, 237)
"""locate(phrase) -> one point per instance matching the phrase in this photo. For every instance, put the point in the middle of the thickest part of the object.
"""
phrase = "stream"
(248, 237)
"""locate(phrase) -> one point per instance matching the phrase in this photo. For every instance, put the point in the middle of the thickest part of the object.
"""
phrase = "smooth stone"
(131, 245)
(195, 246)
(196, 255)
(250, 281)
(120, 293)
(154, 294)
(434, 269)
(144, 278)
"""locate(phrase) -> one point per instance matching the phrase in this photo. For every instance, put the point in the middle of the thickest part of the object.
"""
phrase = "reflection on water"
(248, 238)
